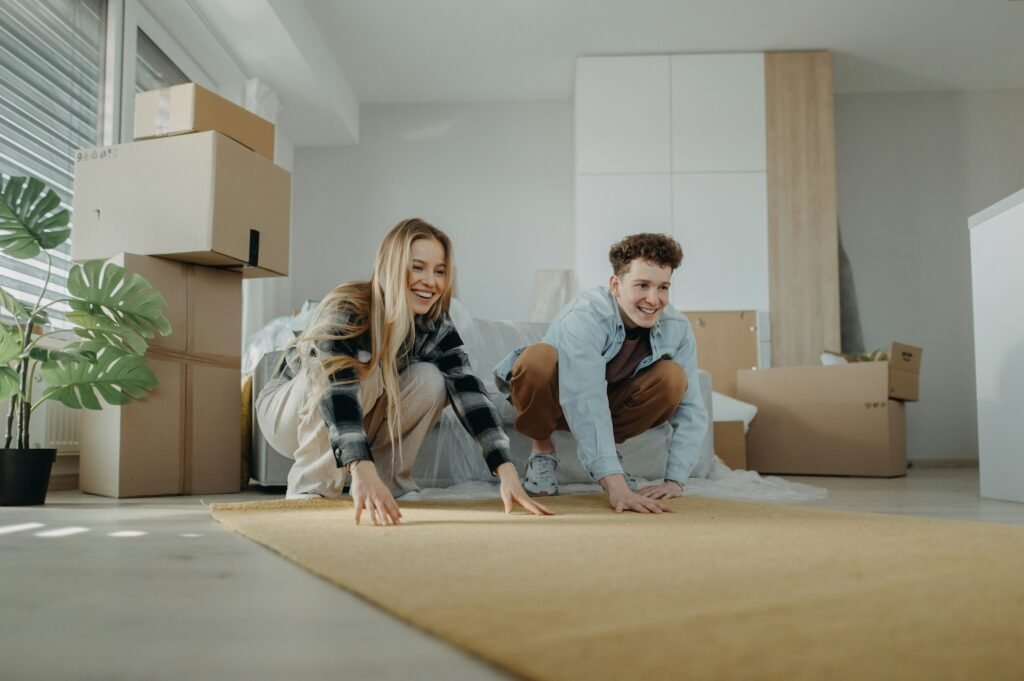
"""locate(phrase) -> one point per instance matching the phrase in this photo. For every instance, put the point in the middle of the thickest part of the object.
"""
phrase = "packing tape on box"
(222, 361)
(162, 123)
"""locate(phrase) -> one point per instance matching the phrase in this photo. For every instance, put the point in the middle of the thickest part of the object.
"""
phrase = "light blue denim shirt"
(588, 333)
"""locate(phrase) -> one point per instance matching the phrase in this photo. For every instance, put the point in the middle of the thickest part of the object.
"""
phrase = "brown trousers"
(637, 404)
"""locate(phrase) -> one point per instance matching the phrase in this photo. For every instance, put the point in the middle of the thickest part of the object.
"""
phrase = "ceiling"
(326, 57)
(495, 50)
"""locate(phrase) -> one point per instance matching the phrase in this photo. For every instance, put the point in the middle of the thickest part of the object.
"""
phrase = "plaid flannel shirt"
(437, 343)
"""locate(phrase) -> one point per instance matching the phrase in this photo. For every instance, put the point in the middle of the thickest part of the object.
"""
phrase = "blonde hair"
(381, 307)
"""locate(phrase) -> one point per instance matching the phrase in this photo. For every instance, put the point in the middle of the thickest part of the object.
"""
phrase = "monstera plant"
(112, 314)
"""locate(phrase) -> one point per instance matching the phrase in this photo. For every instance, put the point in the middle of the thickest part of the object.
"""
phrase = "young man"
(615, 362)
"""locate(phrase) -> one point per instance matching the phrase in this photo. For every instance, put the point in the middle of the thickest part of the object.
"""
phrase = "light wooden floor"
(155, 589)
(950, 493)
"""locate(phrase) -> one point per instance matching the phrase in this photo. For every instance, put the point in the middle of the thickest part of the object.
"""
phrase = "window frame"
(125, 18)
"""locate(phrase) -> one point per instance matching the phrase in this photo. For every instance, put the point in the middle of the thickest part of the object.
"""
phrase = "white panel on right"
(718, 112)
(610, 207)
(997, 239)
(721, 221)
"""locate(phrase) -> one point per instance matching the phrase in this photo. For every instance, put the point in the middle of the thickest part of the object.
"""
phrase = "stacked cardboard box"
(847, 419)
(193, 210)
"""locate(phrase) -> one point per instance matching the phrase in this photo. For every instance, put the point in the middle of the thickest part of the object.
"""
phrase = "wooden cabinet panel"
(803, 235)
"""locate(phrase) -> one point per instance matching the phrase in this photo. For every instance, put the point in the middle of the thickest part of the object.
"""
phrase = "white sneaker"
(541, 477)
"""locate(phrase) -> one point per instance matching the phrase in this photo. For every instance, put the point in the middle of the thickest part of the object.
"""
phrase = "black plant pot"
(25, 475)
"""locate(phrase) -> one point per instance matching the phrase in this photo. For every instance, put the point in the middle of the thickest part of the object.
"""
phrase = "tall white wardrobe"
(724, 152)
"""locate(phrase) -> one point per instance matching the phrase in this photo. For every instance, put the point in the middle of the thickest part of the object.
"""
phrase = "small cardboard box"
(202, 199)
(832, 420)
(184, 437)
(188, 108)
(730, 440)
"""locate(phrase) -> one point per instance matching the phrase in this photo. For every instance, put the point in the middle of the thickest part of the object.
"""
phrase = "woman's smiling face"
(428, 274)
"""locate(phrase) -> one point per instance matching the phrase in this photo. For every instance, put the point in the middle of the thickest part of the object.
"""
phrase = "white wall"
(911, 169)
(498, 178)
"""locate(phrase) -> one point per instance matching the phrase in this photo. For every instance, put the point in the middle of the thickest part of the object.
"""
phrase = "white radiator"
(53, 426)
(60, 426)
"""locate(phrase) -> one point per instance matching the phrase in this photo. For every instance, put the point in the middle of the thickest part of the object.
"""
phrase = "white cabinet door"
(622, 115)
(718, 113)
(720, 220)
(610, 207)
(997, 238)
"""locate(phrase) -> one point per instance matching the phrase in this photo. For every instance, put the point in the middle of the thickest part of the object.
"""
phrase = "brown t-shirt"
(636, 347)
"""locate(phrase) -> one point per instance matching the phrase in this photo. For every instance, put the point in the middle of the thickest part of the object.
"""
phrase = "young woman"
(360, 388)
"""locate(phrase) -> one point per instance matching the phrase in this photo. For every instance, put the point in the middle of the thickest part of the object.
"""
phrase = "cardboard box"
(188, 108)
(202, 199)
(184, 437)
(730, 441)
(904, 372)
(726, 343)
(831, 420)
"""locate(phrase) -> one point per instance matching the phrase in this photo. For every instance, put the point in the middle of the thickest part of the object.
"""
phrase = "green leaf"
(13, 305)
(18, 311)
(70, 353)
(10, 382)
(106, 332)
(31, 219)
(116, 377)
(10, 344)
(110, 293)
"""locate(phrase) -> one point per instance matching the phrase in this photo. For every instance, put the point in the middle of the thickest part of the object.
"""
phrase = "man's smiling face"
(642, 292)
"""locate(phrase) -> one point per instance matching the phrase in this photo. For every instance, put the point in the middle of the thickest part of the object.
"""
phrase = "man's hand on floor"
(621, 498)
(670, 489)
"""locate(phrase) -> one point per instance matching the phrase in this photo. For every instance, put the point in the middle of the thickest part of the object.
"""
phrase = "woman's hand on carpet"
(512, 492)
(370, 494)
(669, 489)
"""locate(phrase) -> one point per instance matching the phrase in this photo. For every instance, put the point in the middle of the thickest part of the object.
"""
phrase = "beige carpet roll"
(716, 590)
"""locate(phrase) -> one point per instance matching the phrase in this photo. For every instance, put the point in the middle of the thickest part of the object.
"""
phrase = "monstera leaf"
(10, 348)
(107, 333)
(70, 353)
(116, 376)
(18, 311)
(31, 219)
(110, 299)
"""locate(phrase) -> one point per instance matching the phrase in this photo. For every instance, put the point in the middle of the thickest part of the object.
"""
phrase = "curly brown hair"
(660, 249)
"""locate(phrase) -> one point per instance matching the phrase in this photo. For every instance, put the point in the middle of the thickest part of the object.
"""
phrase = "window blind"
(51, 65)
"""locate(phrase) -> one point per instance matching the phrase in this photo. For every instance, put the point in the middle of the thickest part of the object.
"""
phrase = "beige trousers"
(290, 420)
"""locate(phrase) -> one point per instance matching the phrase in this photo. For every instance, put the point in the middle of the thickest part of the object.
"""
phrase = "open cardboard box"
(202, 199)
(832, 420)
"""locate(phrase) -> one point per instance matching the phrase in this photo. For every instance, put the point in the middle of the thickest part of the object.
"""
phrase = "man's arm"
(690, 419)
(583, 391)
